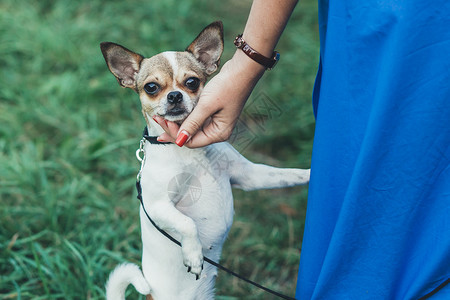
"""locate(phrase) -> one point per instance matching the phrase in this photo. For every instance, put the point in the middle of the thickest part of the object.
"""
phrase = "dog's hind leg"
(121, 277)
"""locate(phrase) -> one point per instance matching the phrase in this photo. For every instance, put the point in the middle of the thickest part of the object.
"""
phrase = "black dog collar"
(153, 139)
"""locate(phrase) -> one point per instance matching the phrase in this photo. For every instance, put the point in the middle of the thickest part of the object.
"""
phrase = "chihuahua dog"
(186, 192)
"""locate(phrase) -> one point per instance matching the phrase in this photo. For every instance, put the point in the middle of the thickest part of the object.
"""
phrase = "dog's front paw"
(193, 257)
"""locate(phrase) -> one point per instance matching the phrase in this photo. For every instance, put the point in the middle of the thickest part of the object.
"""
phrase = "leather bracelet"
(268, 62)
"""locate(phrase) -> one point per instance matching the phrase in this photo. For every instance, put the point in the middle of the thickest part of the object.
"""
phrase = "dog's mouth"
(176, 111)
(176, 114)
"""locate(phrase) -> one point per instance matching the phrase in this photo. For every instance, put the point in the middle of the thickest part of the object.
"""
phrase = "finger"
(170, 128)
(213, 131)
(165, 138)
(160, 121)
(199, 140)
(193, 123)
(171, 131)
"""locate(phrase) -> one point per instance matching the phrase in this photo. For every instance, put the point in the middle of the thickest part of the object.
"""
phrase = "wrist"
(268, 62)
(260, 43)
(250, 69)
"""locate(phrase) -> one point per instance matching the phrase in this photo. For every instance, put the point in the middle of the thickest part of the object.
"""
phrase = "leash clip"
(140, 155)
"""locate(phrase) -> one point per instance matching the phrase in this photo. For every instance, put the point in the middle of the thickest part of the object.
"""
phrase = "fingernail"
(182, 138)
(167, 124)
(154, 119)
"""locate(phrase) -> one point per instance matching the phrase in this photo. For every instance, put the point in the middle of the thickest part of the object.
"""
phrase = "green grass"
(68, 133)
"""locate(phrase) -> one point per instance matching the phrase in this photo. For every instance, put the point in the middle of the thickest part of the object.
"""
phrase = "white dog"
(186, 192)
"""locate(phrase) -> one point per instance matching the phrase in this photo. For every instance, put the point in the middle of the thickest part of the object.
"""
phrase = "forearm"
(265, 24)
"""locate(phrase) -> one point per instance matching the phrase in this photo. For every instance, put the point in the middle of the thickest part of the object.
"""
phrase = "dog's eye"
(192, 83)
(151, 88)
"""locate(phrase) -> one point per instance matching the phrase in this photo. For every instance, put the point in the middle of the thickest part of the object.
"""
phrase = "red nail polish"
(167, 124)
(182, 138)
(154, 119)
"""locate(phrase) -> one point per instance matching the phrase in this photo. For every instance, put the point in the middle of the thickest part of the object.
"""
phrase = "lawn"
(68, 135)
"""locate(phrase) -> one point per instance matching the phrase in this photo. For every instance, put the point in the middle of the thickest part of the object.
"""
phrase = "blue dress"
(378, 215)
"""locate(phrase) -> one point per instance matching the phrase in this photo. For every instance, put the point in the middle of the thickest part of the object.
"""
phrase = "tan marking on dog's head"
(189, 67)
(156, 69)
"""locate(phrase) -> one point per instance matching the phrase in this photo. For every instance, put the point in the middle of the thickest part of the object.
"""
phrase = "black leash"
(153, 140)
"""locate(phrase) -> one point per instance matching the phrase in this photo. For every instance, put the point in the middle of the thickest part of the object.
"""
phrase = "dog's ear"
(123, 63)
(208, 46)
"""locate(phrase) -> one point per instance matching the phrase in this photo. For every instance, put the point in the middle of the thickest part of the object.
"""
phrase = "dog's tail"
(121, 277)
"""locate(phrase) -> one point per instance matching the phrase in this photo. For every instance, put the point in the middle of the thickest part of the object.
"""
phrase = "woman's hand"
(224, 96)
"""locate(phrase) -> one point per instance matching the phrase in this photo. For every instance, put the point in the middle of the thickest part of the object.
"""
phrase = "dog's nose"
(174, 97)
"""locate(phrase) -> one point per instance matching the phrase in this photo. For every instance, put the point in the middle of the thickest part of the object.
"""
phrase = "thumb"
(193, 123)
